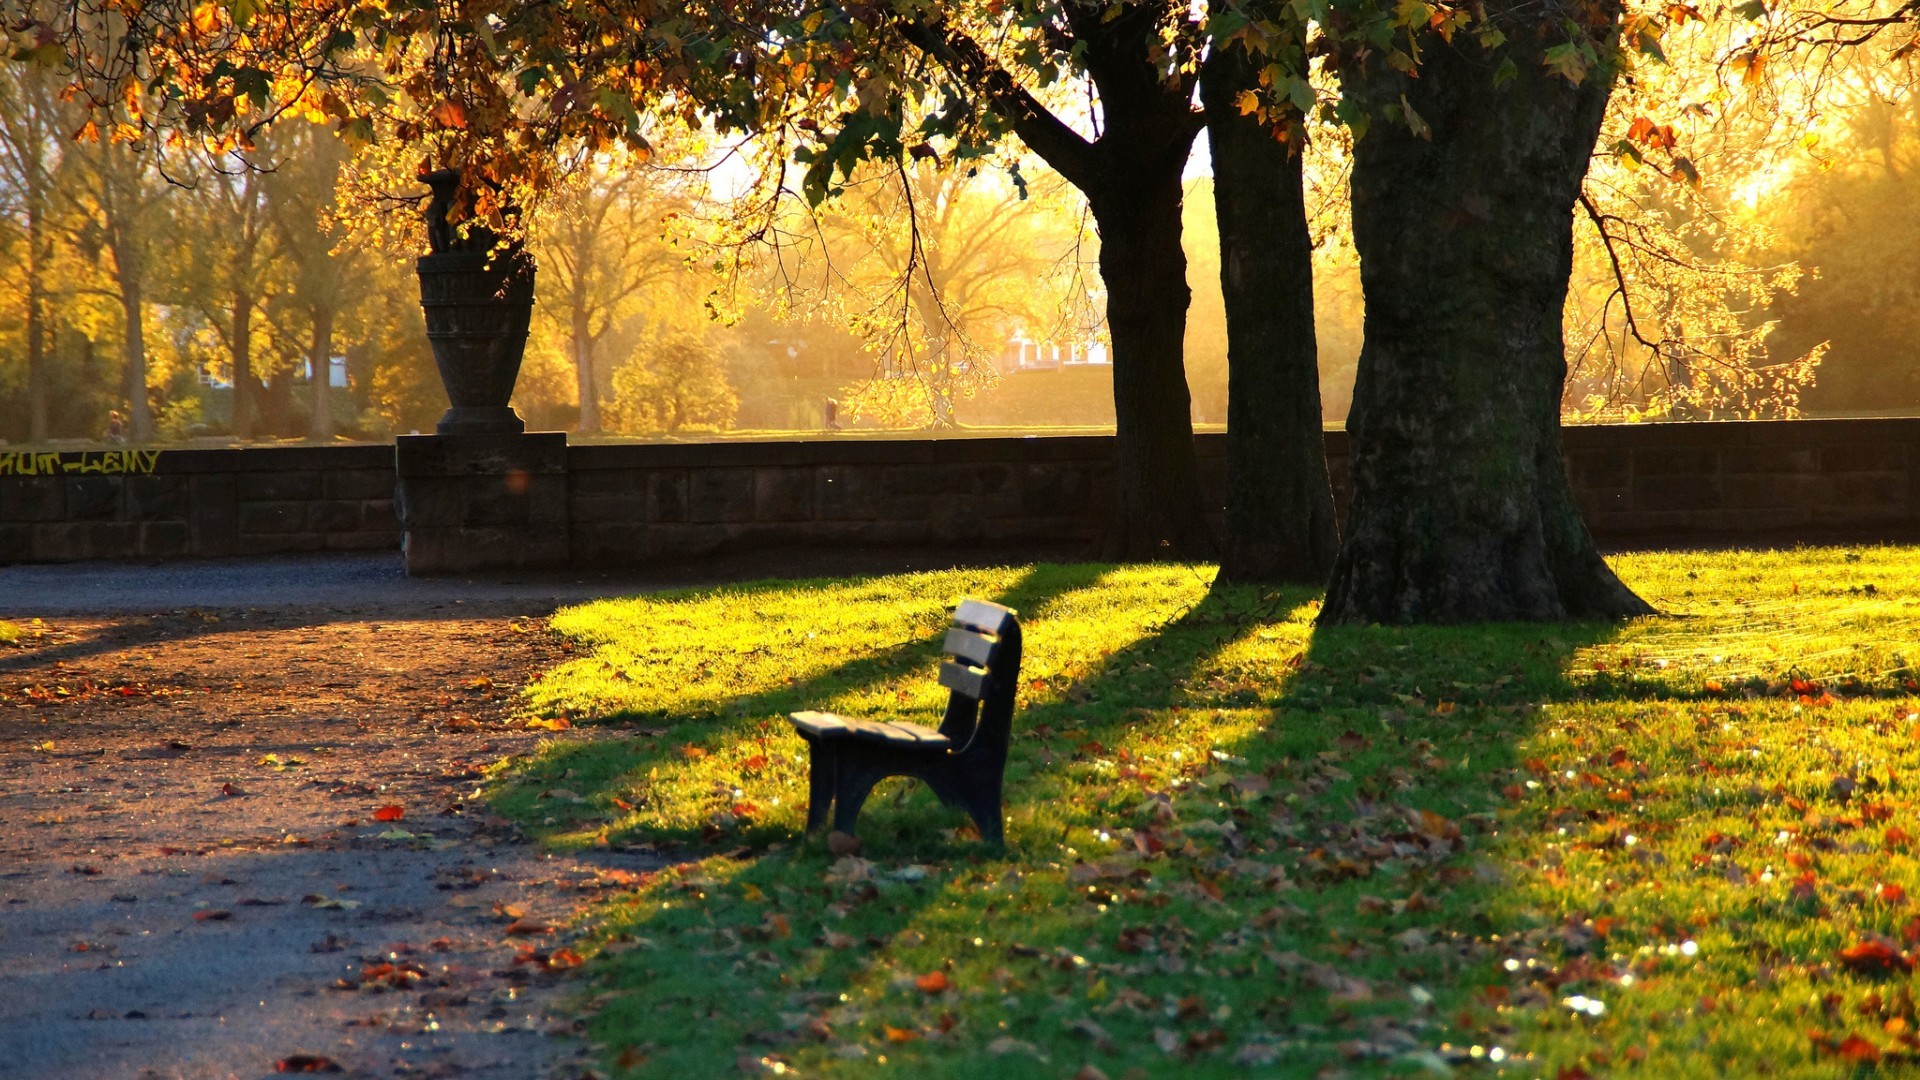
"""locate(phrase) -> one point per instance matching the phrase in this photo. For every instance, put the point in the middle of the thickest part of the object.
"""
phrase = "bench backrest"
(982, 668)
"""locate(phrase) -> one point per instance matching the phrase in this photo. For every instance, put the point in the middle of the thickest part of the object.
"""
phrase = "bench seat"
(898, 733)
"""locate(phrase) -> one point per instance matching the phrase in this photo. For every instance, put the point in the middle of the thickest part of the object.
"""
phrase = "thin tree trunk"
(133, 351)
(37, 426)
(240, 350)
(1461, 508)
(1160, 512)
(321, 359)
(1280, 519)
(583, 371)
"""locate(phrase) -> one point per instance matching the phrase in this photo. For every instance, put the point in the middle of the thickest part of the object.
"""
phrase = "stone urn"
(478, 302)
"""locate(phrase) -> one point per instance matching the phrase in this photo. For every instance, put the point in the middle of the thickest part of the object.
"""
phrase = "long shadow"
(1335, 757)
(595, 771)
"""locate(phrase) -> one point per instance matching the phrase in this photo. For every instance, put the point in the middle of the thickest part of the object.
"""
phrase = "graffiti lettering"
(50, 463)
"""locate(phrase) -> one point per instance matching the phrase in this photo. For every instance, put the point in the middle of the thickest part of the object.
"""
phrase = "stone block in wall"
(719, 495)
(1599, 469)
(68, 541)
(165, 539)
(1055, 489)
(534, 453)
(608, 543)
(1675, 461)
(16, 542)
(630, 508)
(215, 520)
(272, 518)
(1689, 491)
(378, 516)
(93, 498)
(1863, 457)
(334, 516)
(358, 484)
(363, 541)
(851, 493)
(288, 543)
(685, 541)
(667, 495)
(1859, 491)
(32, 498)
(783, 494)
(428, 501)
(477, 549)
(280, 485)
(1770, 459)
(158, 498)
(1763, 490)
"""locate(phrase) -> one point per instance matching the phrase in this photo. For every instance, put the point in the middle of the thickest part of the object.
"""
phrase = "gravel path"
(197, 878)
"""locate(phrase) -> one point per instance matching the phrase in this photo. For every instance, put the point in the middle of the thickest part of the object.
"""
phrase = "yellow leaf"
(1248, 102)
(206, 17)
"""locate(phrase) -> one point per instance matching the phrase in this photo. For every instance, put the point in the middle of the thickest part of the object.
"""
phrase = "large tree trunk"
(1160, 512)
(583, 371)
(1280, 521)
(1461, 506)
(321, 361)
(240, 351)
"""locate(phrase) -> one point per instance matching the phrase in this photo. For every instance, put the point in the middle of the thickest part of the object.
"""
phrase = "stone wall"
(176, 503)
(1640, 486)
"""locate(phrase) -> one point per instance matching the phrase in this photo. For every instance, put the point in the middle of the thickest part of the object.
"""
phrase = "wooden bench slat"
(893, 732)
(982, 616)
(974, 648)
(962, 679)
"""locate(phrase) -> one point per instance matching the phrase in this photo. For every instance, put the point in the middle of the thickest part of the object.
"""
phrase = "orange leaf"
(389, 813)
(212, 915)
(527, 928)
(933, 982)
(895, 1034)
(449, 114)
(1869, 956)
(1855, 1048)
(1889, 893)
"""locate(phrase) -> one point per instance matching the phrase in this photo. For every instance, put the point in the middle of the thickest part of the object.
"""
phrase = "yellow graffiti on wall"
(53, 463)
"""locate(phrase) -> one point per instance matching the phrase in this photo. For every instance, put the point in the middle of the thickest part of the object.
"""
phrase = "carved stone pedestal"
(482, 502)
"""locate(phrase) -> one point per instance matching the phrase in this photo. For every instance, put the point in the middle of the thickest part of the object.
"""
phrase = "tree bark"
(133, 353)
(1130, 175)
(1160, 513)
(1280, 520)
(1461, 506)
(240, 351)
(583, 369)
(321, 361)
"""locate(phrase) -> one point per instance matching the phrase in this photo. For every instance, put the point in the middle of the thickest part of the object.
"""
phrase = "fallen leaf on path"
(306, 1063)
(212, 915)
(389, 813)
(527, 928)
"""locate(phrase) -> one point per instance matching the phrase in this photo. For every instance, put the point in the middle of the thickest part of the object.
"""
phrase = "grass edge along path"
(1681, 846)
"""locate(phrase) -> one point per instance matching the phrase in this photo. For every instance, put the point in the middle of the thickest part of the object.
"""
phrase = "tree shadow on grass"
(1150, 796)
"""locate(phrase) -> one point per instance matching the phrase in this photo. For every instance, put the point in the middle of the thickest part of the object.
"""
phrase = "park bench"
(964, 761)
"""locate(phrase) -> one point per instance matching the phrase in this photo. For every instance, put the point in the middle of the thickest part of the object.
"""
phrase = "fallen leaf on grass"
(899, 1035)
(389, 813)
(1872, 957)
(933, 982)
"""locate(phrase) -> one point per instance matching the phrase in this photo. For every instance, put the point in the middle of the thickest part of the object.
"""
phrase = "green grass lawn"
(1684, 846)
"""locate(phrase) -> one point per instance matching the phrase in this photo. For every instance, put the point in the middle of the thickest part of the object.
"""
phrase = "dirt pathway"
(197, 876)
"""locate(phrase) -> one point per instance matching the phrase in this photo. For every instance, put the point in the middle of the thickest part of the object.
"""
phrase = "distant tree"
(668, 387)
(30, 148)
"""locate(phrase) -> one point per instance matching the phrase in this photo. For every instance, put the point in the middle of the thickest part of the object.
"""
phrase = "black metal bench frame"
(965, 761)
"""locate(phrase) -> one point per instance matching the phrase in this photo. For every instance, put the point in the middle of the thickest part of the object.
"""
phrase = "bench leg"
(849, 796)
(982, 803)
(823, 762)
